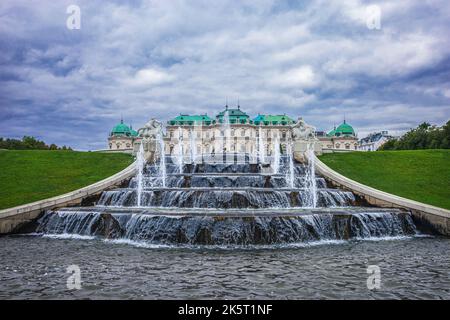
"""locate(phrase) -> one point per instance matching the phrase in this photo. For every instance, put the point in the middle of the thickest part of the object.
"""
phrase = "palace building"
(230, 131)
(122, 137)
(342, 137)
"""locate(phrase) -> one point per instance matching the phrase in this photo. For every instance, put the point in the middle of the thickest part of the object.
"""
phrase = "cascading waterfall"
(162, 172)
(228, 203)
(226, 131)
(311, 176)
(140, 163)
(261, 149)
(208, 230)
(180, 150)
(290, 176)
(193, 144)
(276, 155)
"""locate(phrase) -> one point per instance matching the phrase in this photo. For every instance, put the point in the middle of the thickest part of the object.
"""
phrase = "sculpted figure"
(151, 129)
(302, 131)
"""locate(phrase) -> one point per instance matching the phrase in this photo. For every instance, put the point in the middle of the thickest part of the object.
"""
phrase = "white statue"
(151, 129)
(303, 131)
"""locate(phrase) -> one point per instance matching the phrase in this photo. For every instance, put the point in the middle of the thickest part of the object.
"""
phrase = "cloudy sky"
(320, 60)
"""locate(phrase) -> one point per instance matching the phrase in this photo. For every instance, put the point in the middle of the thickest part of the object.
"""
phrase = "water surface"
(34, 267)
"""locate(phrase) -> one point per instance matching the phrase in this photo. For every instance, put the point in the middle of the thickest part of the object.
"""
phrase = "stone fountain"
(229, 203)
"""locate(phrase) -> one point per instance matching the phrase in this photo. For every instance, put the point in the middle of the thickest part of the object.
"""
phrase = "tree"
(27, 143)
(425, 136)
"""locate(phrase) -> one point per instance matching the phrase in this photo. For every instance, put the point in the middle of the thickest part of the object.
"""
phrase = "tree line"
(28, 143)
(425, 136)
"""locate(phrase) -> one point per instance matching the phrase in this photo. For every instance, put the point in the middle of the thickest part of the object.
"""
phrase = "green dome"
(121, 129)
(332, 132)
(133, 133)
(345, 130)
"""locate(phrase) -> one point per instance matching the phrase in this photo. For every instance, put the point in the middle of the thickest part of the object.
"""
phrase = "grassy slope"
(31, 175)
(422, 175)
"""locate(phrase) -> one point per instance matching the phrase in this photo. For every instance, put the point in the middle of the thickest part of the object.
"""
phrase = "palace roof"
(268, 119)
(191, 119)
(122, 129)
(344, 129)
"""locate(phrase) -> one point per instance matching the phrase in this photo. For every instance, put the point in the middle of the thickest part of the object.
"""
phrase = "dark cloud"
(159, 58)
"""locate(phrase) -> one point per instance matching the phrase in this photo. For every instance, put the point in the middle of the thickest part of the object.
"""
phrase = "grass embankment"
(421, 175)
(31, 175)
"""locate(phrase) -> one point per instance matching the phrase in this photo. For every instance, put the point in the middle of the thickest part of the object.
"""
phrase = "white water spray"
(311, 176)
(193, 145)
(226, 129)
(276, 155)
(140, 163)
(180, 150)
(162, 175)
(261, 151)
(290, 177)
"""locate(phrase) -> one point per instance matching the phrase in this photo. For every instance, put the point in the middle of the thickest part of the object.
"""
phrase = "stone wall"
(433, 217)
(13, 218)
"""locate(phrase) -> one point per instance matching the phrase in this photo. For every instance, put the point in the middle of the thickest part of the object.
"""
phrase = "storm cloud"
(142, 59)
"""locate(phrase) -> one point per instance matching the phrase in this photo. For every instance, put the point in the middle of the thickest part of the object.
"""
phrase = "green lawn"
(422, 175)
(31, 175)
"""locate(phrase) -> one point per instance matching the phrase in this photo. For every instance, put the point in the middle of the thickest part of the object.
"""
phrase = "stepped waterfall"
(177, 202)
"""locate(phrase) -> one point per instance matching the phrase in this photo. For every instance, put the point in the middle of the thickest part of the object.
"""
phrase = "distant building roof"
(268, 119)
(122, 129)
(374, 137)
(235, 115)
(344, 129)
(191, 119)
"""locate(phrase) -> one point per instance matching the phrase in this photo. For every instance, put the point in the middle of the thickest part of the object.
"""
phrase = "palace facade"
(341, 138)
(122, 137)
(230, 131)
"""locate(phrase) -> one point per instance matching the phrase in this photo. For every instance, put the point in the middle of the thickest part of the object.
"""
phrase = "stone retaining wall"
(13, 218)
(434, 217)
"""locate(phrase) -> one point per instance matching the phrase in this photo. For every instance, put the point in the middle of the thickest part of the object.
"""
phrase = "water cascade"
(180, 150)
(193, 145)
(276, 155)
(140, 163)
(209, 203)
(311, 176)
(226, 134)
(261, 149)
(162, 171)
(290, 175)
